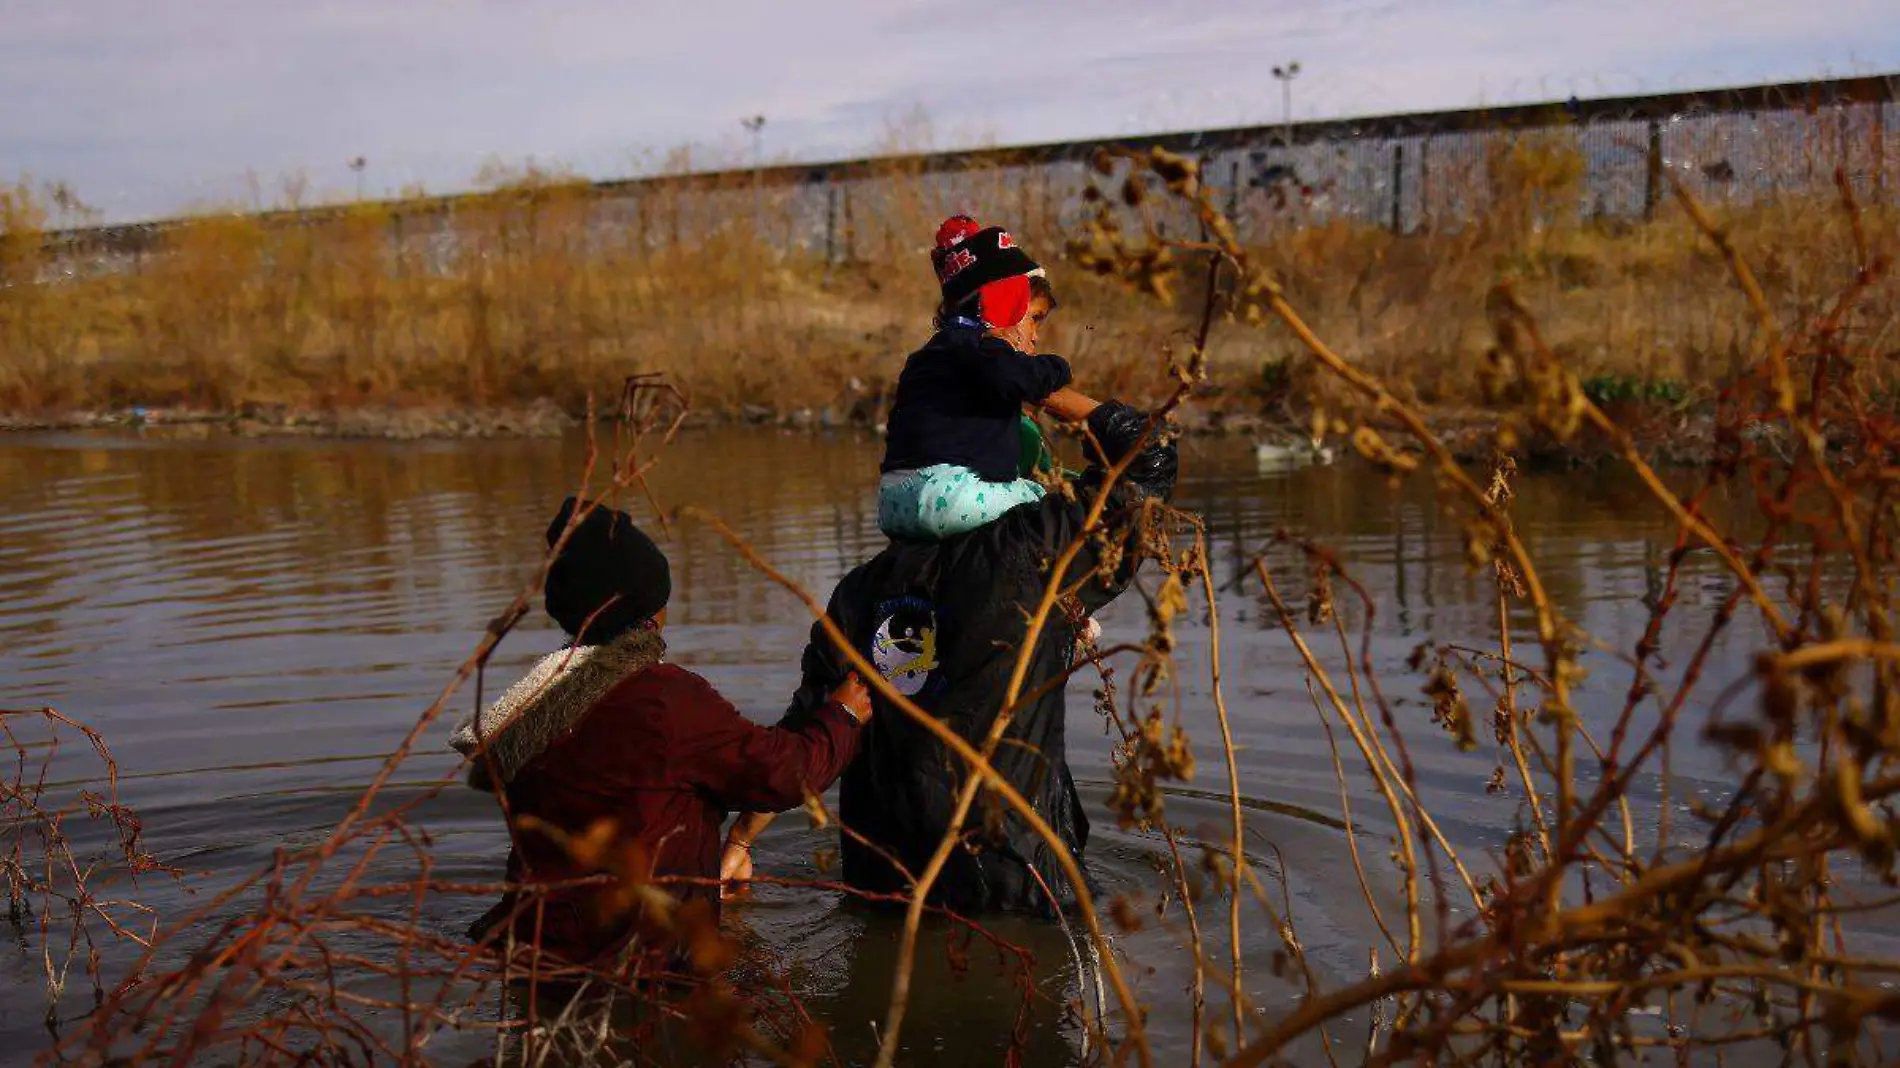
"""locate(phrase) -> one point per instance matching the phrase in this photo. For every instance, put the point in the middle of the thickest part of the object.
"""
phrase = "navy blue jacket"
(959, 401)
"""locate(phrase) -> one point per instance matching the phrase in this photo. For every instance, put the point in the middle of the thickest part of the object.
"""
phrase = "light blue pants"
(943, 500)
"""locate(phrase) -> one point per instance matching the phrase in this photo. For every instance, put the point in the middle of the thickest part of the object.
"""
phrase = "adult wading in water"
(944, 621)
(605, 736)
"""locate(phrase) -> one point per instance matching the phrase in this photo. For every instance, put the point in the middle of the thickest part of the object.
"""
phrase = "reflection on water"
(252, 625)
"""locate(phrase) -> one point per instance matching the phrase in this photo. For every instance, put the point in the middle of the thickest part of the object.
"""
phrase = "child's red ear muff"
(1004, 303)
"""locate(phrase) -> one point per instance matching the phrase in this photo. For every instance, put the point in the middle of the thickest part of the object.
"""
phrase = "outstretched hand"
(854, 696)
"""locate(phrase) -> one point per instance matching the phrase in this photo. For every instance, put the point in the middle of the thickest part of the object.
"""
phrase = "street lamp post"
(357, 164)
(1285, 75)
(756, 125)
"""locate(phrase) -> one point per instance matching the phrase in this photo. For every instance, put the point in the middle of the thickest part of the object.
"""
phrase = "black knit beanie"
(608, 579)
(968, 257)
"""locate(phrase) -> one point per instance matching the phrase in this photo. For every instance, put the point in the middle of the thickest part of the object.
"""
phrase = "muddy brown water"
(253, 624)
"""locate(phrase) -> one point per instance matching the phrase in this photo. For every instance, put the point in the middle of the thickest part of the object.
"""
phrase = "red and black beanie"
(972, 259)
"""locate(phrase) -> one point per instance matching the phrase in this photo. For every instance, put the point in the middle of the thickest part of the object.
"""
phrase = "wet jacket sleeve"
(822, 668)
(1120, 428)
(1150, 475)
(762, 769)
(1014, 377)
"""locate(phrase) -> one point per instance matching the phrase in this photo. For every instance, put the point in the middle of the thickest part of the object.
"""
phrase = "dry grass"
(538, 289)
(1642, 301)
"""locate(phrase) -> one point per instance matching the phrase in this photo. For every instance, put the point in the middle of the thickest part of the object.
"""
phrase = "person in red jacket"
(605, 750)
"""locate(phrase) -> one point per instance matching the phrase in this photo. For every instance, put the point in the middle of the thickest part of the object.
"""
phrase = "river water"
(252, 625)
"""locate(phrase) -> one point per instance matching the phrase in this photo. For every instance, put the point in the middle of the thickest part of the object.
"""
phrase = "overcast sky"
(156, 106)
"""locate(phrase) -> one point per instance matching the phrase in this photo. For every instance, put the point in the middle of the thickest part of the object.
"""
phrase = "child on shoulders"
(956, 454)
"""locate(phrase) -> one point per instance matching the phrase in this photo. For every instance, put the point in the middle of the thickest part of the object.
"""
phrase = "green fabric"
(1036, 456)
(944, 500)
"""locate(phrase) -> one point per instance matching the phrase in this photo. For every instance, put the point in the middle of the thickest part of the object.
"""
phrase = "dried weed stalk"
(1594, 937)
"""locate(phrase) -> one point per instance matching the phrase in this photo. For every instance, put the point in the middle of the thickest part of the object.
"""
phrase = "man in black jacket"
(944, 622)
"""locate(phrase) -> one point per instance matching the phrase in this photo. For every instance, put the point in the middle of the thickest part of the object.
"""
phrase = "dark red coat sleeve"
(744, 766)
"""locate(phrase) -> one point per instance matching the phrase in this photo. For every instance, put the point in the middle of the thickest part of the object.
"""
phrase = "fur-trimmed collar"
(547, 704)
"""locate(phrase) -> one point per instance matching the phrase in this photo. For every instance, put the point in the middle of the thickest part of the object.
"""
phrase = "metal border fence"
(1409, 173)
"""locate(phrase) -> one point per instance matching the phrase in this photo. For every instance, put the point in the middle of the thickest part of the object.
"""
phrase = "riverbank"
(543, 420)
(1666, 435)
(335, 326)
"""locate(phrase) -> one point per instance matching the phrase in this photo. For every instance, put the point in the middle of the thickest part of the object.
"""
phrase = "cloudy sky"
(156, 106)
